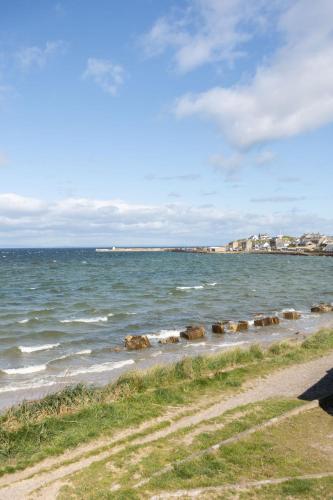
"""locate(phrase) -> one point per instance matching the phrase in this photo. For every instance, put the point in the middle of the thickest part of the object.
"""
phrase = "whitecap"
(211, 284)
(103, 367)
(26, 320)
(25, 387)
(196, 287)
(85, 320)
(163, 334)
(71, 355)
(197, 344)
(28, 349)
(24, 370)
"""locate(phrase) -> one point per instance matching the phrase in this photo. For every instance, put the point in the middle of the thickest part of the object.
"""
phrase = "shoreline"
(325, 321)
(208, 251)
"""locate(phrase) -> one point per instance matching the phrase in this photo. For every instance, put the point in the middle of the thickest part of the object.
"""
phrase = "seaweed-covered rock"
(291, 315)
(242, 325)
(134, 342)
(266, 321)
(193, 332)
(321, 308)
(218, 327)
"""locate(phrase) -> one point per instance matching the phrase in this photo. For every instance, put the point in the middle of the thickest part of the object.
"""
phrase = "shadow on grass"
(322, 391)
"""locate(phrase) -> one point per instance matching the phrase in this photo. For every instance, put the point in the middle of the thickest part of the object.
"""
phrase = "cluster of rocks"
(322, 308)
(194, 332)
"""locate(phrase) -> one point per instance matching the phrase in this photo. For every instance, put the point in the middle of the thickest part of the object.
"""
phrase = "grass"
(36, 430)
(293, 447)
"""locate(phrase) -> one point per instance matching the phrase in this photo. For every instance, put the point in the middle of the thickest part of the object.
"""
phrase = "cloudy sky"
(164, 122)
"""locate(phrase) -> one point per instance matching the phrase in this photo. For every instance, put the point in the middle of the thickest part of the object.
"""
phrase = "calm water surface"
(62, 312)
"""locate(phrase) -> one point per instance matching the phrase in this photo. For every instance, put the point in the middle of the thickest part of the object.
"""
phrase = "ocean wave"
(157, 353)
(84, 352)
(196, 287)
(24, 370)
(103, 367)
(28, 320)
(163, 334)
(211, 284)
(96, 319)
(28, 349)
(196, 344)
(25, 387)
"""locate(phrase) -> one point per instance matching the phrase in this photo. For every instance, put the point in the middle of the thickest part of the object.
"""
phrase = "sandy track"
(212, 491)
(288, 382)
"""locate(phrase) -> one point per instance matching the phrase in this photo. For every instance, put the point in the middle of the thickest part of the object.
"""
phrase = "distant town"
(307, 244)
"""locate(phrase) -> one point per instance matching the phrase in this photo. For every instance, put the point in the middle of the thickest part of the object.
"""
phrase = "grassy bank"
(33, 431)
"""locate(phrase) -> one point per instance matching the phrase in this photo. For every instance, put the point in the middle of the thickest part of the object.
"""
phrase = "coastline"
(241, 341)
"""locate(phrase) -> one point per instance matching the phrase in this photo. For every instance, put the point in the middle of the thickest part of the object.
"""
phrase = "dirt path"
(288, 382)
(214, 490)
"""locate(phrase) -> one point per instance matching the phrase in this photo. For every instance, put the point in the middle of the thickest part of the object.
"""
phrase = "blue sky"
(164, 122)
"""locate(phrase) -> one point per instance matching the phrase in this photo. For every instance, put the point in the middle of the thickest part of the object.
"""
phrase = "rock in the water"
(291, 315)
(137, 342)
(321, 308)
(193, 332)
(231, 326)
(218, 327)
(169, 340)
(242, 325)
(267, 321)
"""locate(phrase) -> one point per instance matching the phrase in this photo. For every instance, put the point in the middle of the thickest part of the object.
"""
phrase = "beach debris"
(218, 327)
(169, 340)
(133, 342)
(291, 315)
(266, 321)
(193, 332)
(321, 308)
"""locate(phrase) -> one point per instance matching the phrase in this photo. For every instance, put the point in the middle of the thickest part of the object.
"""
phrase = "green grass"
(293, 447)
(138, 462)
(33, 431)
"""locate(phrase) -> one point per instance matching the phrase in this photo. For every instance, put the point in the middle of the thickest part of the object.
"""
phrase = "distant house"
(277, 243)
(309, 239)
(329, 248)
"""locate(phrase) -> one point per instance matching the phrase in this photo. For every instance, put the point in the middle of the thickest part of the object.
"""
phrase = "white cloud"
(34, 56)
(289, 95)
(105, 74)
(82, 221)
(206, 31)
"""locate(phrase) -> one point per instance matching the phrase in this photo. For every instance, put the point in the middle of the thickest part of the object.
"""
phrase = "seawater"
(63, 311)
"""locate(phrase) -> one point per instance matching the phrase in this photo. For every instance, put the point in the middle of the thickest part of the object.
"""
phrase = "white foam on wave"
(103, 367)
(211, 284)
(163, 334)
(25, 387)
(29, 349)
(96, 319)
(197, 344)
(231, 344)
(72, 354)
(196, 287)
(26, 320)
(24, 370)
(157, 353)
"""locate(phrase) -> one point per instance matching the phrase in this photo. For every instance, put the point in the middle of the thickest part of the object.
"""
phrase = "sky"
(160, 122)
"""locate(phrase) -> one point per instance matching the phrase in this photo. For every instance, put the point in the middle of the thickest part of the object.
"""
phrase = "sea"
(64, 313)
